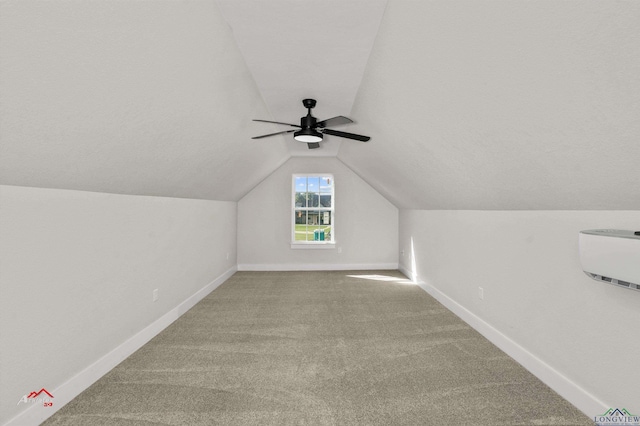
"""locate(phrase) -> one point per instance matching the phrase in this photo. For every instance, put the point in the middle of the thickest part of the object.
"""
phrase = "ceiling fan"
(311, 130)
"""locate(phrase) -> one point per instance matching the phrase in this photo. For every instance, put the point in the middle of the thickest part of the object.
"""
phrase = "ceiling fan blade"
(277, 122)
(273, 134)
(346, 135)
(313, 145)
(335, 121)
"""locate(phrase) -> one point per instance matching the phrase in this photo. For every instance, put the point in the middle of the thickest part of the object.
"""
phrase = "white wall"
(535, 294)
(365, 231)
(78, 271)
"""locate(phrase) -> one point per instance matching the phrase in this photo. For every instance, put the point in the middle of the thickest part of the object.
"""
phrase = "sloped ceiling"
(470, 105)
(503, 105)
(130, 97)
(298, 49)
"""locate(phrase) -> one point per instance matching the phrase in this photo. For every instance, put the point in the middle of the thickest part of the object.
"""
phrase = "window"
(313, 204)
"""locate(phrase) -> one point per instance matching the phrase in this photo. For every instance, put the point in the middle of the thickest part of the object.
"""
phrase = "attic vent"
(615, 281)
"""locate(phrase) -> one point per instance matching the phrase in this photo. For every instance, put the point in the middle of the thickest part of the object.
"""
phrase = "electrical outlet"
(402, 252)
(227, 255)
(481, 293)
(155, 295)
(339, 249)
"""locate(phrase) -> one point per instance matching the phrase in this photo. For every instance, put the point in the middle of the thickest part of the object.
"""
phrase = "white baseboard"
(569, 390)
(566, 388)
(36, 414)
(316, 267)
(409, 274)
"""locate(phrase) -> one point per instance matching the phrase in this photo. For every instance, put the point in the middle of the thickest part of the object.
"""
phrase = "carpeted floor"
(318, 348)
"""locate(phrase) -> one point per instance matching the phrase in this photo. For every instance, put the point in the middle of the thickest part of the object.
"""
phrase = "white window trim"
(311, 245)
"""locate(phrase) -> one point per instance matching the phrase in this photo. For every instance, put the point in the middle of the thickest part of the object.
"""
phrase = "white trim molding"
(299, 244)
(313, 246)
(561, 384)
(317, 267)
(81, 381)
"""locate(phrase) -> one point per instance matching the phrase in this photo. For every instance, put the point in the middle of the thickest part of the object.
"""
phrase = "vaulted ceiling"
(470, 105)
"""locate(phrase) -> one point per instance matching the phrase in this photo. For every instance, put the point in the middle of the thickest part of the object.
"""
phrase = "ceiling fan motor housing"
(308, 133)
(308, 122)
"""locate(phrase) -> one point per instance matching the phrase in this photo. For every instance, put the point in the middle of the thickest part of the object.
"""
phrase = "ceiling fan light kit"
(312, 131)
(307, 135)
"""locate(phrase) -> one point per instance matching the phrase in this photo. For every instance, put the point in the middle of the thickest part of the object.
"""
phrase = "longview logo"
(617, 417)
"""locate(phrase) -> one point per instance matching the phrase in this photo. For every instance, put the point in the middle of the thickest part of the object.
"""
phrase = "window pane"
(313, 189)
(301, 199)
(313, 199)
(325, 218)
(326, 184)
(318, 225)
(301, 184)
(301, 191)
(301, 226)
(313, 184)
(326, 188)
(325, 200)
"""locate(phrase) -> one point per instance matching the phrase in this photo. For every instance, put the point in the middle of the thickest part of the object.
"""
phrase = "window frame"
(313, 244)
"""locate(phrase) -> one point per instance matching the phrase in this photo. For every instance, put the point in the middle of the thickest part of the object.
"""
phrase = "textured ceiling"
(503, 105)
(298, 49)
(148, 98)
(470, 105)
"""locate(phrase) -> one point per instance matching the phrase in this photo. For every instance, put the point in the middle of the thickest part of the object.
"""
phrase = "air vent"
(611, 256)
(615, 282)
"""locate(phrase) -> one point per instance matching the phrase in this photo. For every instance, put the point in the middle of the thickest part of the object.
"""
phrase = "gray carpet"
(318, 348)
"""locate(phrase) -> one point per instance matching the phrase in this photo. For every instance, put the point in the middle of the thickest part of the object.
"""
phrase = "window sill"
(313, 245)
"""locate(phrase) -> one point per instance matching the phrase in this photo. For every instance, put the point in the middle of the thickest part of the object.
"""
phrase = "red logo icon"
(35, 394)
(42, 396)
